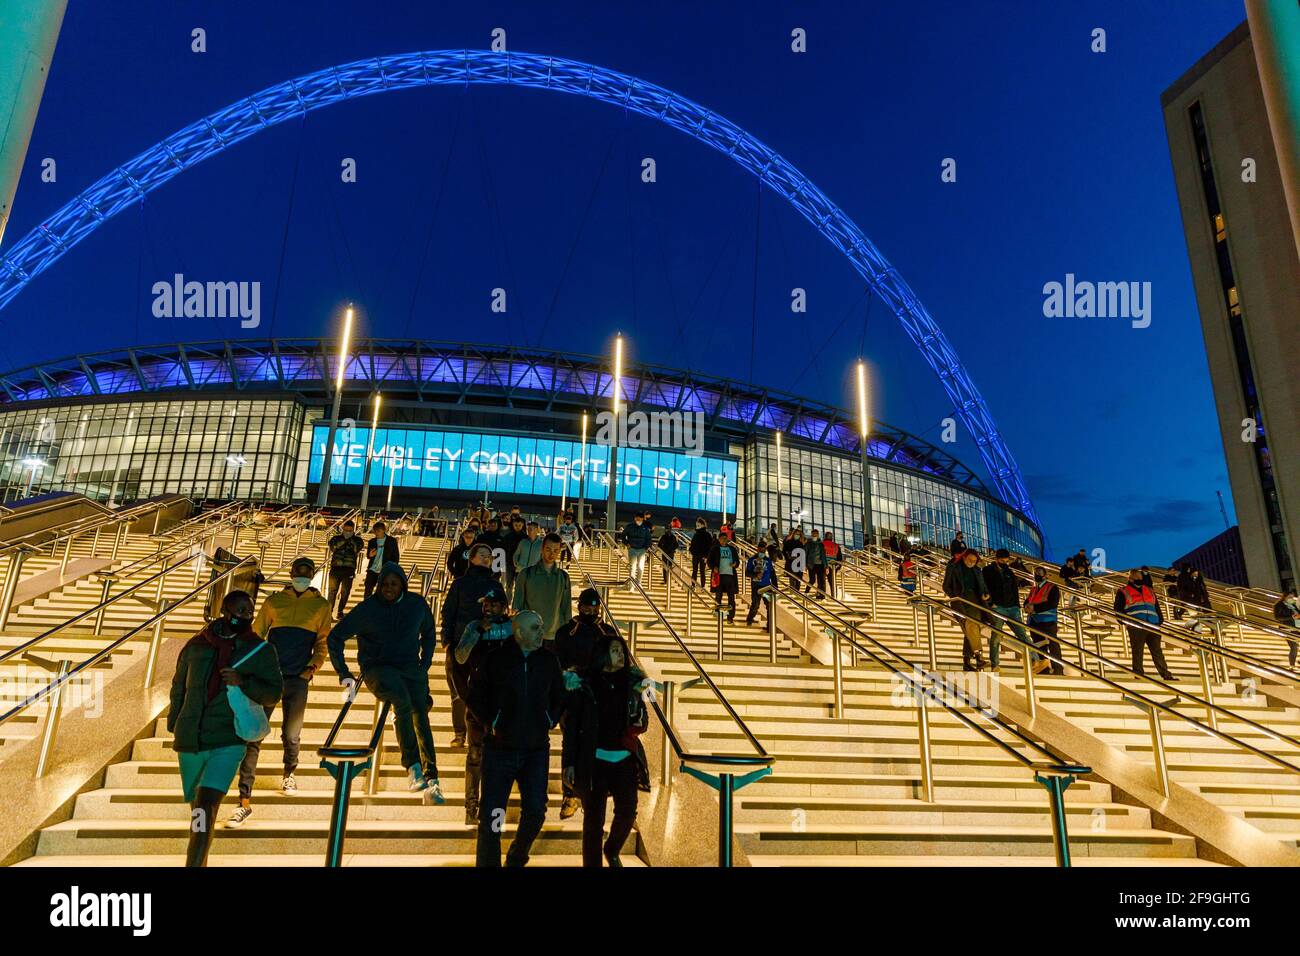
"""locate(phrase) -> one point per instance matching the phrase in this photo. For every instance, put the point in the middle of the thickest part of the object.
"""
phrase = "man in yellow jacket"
(295, 622)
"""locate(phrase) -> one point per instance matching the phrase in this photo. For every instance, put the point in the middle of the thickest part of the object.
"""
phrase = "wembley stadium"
(250, 420)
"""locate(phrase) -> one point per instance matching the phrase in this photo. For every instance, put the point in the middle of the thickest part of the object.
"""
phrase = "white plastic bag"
(251, 722)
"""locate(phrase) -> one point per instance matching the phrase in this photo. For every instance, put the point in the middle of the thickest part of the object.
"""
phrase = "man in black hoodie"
(395, 634)
(1004, 598)
(574, 644)
(517, 694)
(462, 605)
(701, 545)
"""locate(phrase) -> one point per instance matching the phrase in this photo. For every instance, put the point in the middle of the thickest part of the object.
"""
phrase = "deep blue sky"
(1063, 166)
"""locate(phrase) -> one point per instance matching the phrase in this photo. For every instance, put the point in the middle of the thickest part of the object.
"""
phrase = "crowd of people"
(524, 661)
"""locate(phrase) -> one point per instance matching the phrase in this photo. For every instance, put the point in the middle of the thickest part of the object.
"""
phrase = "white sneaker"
(417, 781)
(237, 818)
(433, 794)
(289, 786)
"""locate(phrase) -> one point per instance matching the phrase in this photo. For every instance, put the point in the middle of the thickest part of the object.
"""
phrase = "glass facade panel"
(126, 451)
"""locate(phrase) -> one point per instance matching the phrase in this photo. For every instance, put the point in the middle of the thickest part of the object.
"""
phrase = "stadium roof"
(458, 372)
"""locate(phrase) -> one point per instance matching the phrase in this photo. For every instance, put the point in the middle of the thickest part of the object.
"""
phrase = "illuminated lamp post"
(322, 496)
(864, 429)
(582, 475)
(613, 448)
(370, 454)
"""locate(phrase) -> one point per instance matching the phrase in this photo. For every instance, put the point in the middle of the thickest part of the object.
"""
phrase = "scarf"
(224, 648)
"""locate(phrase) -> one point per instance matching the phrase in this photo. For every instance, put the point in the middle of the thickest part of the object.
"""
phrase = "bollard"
(52, 715)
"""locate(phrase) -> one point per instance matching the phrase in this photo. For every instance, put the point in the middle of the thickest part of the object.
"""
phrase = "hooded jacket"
(488, 636)
(583, 730)
(297, 626)
(458, 558)
(462, 603)
(197, 723)
(399, 633)
(517, 698)
(1004, 585)
(576, 640)
(701, 543)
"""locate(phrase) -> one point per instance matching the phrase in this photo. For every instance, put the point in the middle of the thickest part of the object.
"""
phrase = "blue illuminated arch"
(45, 244)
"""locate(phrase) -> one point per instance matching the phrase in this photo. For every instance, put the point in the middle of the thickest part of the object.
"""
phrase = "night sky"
(1062, 167)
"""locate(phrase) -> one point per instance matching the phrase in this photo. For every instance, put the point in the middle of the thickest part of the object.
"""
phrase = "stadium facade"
(249, 419)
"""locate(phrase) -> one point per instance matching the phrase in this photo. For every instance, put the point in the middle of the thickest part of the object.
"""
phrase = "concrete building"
(1228, 161)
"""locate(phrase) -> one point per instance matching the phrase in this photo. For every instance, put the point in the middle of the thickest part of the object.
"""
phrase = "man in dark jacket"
(701, 545)
(345, 559)
(395, 634)
(964, 583)
(462, 605)
(380, 550)
(518, 695)
(479, 639)
(668, 545)
(1287, 614)
(574, 644)
(1137, 601)
(458, 554)
(1004, 598)
(637, 537)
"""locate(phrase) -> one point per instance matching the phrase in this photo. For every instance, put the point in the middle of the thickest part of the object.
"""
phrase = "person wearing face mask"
(575, 642)
(1137, 601)
(463, 604)
(638, 537)
(701, 545)
(396, 635)
(345, 559)
(517, 695)
(226, 653)
(1041, 606)
(603, 718)
(296, 621)
(380, 550)
(480, 638)
(511, 540)
(816, 555)
(1287, 613)
(831, 548)
(1004, 599)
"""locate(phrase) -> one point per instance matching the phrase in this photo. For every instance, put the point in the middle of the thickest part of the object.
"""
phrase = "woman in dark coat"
(603, 718)
(201, 720)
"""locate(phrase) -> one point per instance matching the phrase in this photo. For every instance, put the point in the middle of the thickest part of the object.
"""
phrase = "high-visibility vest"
(1037, 595)
(831, 548)
(907, 569)
(1141, 604)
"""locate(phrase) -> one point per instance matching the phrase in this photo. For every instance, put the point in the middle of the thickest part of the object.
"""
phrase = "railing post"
(155, 642)
(923, 732)
(690, 605)
(343, 773)
(1078, 637)
(1055, 783)
(11, 585)
(667, 705)
(1220, 665)
(157, 519)
(631, 637)
(719, 612)
(916, 625)
(770, 597)
(873, 598)
(103, 600)
(1157, 743)
(67, 551)
(1031, 698)
(117, 539)
(929, 636)
(376, 758)
(838, 707)
(1207, 688)
(726, 809)
(94, 542)
(53, 714)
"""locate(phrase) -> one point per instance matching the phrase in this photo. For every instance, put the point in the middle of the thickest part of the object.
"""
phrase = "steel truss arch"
(76, 219)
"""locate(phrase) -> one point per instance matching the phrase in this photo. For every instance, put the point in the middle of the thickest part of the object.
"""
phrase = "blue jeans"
(995, 633)
(501, 770)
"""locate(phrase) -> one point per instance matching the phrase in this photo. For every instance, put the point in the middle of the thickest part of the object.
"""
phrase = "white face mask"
(379, 539)
(300, 584)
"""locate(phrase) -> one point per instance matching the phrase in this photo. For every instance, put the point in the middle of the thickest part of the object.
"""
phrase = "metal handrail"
(1209, 728)
(78, 526)
(762, 758)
